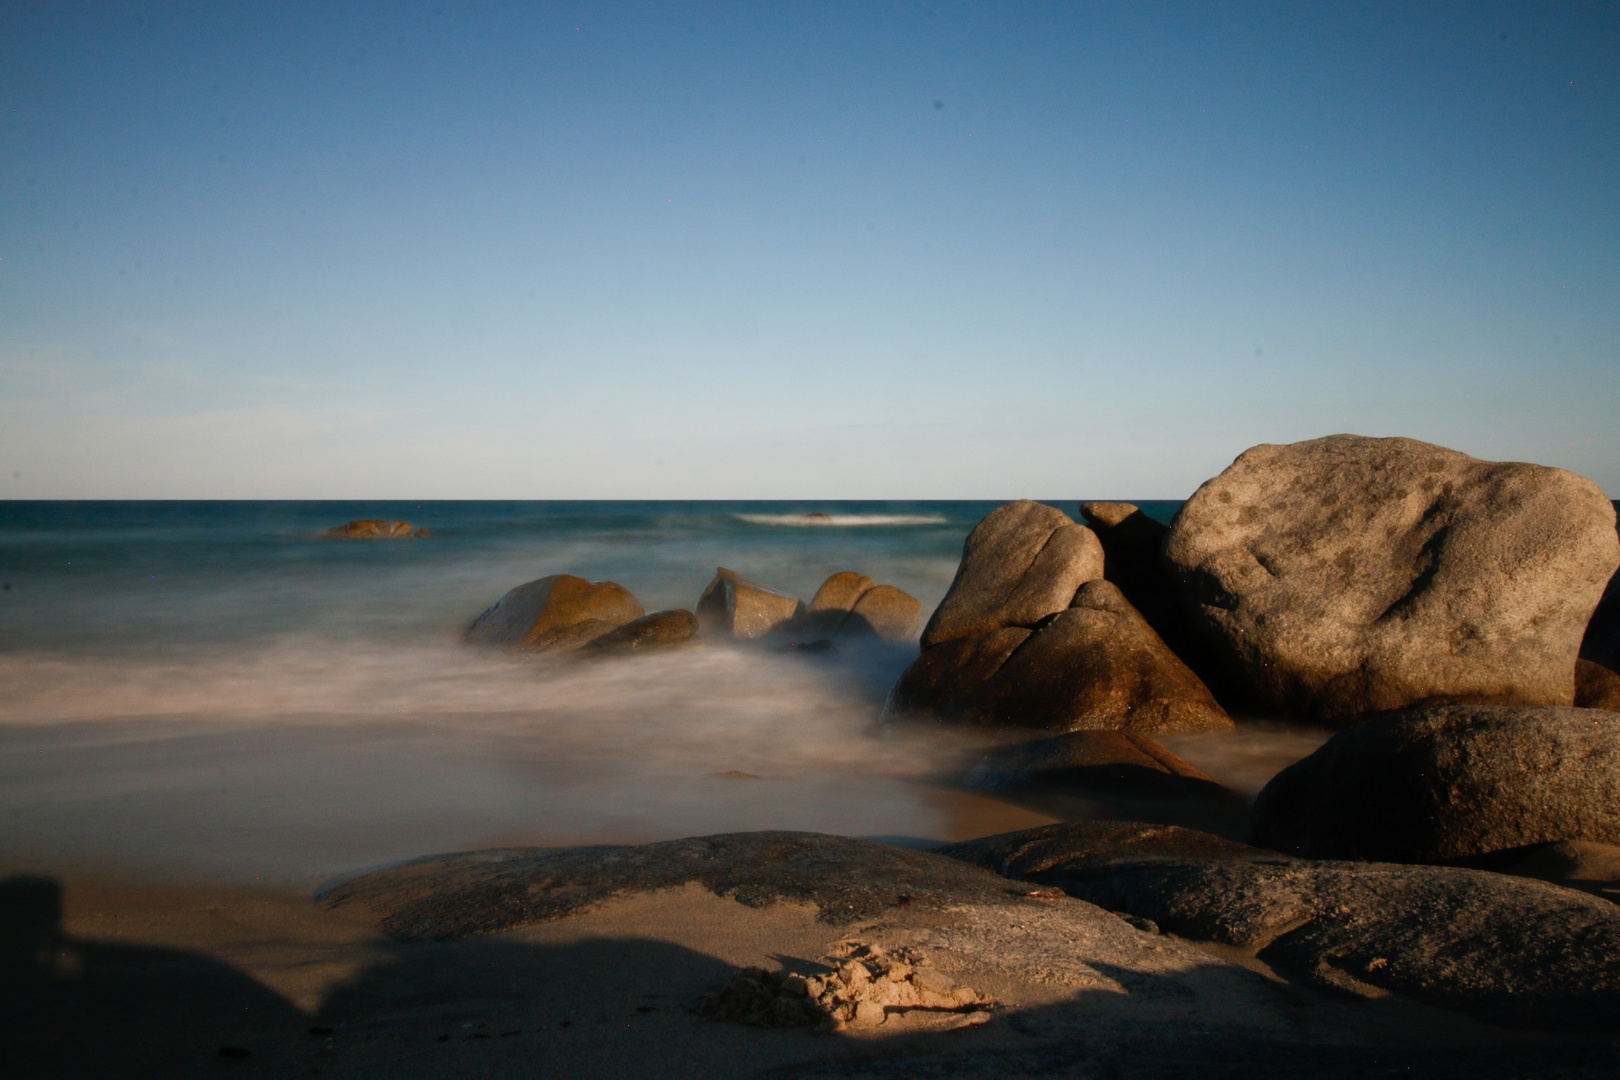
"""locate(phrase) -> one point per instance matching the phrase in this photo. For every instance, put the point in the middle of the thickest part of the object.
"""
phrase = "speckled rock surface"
(1346, 576)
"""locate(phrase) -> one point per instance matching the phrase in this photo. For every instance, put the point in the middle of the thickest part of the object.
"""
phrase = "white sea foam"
(829, 520)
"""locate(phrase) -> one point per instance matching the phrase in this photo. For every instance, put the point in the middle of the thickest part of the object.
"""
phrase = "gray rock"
(538, 615)
(1454, 782)
(1596, 687)
(1351, 575)
(1023, 562)
(734, 606)
(1511, 950)
(1096, 665)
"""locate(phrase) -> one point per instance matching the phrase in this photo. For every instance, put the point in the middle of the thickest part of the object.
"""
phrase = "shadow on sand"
(619, 1008)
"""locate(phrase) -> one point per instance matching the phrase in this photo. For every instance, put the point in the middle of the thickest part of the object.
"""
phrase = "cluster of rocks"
(562, 613)
(375, 529)
(1326, 581)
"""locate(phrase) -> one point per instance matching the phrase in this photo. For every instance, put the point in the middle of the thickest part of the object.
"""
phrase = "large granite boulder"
(1596, 687)
(553, 613)
(737, 607)
(374, 529)
(1350, 575)
(1449, 783)
(1094, 665)
(853, 605)
(1511, 950)
(1023, 562)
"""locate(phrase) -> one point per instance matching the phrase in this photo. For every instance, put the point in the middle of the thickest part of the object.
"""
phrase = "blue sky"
(795, 250)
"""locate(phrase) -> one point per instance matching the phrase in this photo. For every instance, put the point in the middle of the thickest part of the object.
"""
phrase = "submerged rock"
(1596, 687)
(1075, 844)
(1095, 665)
(660, 630)
(1350, 575)
(374, 529)
(1023, 562)
(557, 612)
(737, 607)
(1437, 785)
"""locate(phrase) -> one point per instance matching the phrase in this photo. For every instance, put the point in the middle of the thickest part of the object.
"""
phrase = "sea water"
(212, 690)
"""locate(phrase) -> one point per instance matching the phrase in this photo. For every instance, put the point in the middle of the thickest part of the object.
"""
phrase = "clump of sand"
(864, 988)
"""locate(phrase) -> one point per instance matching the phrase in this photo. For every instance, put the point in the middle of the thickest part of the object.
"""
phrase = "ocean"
(210, 691)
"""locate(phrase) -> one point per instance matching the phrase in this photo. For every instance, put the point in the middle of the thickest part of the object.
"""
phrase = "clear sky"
(795, 250)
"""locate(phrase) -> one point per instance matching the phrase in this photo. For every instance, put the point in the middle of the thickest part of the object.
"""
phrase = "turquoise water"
(211, 690)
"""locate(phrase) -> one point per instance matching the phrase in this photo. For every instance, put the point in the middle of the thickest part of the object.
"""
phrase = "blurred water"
(210, 690)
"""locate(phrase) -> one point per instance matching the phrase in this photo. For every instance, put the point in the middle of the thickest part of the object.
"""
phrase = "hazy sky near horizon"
(795, 250)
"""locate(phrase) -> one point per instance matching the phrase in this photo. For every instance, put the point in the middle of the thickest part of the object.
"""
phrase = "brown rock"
(374, 529)
(1074, 844)
(734, 606)
(1575, 864)
(1051, 761)
(1601, 644)
(944, 680)
(538, 614)
(660, 630)
(839, 592)
(1023, 562)
(886, 611)
(1596, 687)
(1349, 575)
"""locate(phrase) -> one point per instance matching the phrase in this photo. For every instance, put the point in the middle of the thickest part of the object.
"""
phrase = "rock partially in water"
(1596, 687)
(852, 604)
(374, 529)
(1095, 665)
(660, 630)
(1437, 785)
(1347, 576)
(1023, 562)
(559, 611)
(737, 607)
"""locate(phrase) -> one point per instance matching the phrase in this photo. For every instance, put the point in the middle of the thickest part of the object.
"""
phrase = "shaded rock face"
(1075, 844)
(1574, 864)
(734, 606)
(1349, 575)
(1596, 687)
(1449, 783)
(374, 529)
(556, 612)
(1601, 645)
(1509, 949)
(1513, 951)
(1095, 665)
(660, 630)
(1023, 562)
(1110, 774)
(1133, 559)
(853, 604)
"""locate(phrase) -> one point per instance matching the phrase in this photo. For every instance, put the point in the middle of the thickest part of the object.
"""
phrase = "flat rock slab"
(1436, 785)
(484, 892)
(1511, 950)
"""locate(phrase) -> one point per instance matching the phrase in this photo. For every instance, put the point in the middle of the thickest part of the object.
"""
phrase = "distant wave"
(843, 519)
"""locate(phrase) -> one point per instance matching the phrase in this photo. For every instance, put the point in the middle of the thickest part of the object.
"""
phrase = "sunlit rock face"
(1345, 576)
